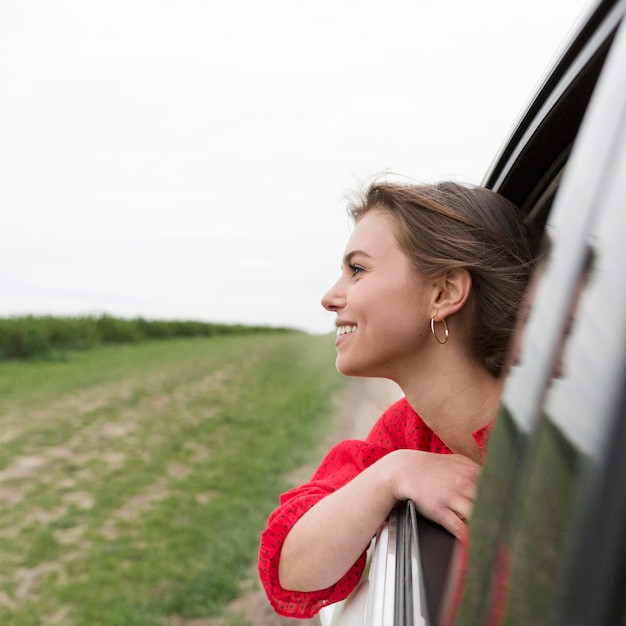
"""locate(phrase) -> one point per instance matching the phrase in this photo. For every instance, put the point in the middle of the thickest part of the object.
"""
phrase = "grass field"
(134, 480)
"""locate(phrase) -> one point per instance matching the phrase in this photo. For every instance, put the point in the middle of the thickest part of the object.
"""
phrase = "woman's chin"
(346, 368)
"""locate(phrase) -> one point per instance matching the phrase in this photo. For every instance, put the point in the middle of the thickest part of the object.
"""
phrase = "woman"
(431, 281)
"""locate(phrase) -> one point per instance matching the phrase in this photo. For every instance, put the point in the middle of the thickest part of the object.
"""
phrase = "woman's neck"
(455, 400)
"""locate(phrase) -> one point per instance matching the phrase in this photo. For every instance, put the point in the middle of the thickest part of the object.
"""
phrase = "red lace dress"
(400, 427)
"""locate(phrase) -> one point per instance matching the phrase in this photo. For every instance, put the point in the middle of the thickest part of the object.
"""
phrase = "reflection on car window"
(559, 367)
(530, 551)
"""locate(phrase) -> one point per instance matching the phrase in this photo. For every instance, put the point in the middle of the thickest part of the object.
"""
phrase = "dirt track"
(358, 407)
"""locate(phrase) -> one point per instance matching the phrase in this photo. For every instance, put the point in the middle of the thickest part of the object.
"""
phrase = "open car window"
(408, 570)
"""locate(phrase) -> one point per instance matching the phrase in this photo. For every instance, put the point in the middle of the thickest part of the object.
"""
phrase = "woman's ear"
(454, 288)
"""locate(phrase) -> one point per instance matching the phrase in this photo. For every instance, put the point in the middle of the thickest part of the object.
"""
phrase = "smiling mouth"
(346, 330)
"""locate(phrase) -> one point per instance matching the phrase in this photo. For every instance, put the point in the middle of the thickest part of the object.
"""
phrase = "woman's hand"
(442, 486)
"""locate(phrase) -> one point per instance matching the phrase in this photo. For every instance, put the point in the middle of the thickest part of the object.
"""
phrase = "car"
(548, 531)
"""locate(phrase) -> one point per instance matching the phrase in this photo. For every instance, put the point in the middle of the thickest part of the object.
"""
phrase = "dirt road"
(358, 407)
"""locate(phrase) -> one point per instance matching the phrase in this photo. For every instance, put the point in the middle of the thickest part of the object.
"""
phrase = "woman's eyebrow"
(347, 259)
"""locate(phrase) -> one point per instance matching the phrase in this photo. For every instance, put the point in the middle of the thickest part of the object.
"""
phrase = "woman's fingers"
(443, 487)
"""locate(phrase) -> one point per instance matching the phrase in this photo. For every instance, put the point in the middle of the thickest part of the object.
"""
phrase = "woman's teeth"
(344, 330)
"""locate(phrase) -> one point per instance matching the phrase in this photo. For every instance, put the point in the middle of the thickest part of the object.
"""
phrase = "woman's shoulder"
(398, 426)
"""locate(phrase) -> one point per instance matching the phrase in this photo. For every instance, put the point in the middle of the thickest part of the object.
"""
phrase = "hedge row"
(27, 337)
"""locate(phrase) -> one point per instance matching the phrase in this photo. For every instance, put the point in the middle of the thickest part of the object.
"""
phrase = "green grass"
(135, 480)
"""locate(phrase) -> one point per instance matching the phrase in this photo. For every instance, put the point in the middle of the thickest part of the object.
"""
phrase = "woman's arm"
(326, 541)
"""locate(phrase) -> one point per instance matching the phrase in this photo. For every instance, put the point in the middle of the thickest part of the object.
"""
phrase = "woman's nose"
(333, 300)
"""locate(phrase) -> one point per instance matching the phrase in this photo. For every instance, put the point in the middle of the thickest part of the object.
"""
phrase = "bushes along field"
(28, 337)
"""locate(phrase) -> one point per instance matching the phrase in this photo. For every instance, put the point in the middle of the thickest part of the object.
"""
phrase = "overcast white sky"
(190, 159)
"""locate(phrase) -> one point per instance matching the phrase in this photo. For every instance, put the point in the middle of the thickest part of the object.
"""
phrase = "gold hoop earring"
(434, 332)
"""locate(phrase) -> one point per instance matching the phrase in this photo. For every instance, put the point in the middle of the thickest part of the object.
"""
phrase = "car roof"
(529, 166)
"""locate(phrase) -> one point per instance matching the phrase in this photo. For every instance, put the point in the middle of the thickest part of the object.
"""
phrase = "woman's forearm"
(328, 539)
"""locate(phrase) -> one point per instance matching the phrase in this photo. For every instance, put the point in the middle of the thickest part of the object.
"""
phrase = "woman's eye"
(355, 269)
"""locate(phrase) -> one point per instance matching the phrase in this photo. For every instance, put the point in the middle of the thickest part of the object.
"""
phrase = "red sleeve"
(345, 461)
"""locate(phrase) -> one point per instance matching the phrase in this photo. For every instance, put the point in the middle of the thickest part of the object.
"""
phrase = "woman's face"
(383, 305)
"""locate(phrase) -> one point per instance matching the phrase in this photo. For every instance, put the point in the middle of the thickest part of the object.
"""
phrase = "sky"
(187, 159)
